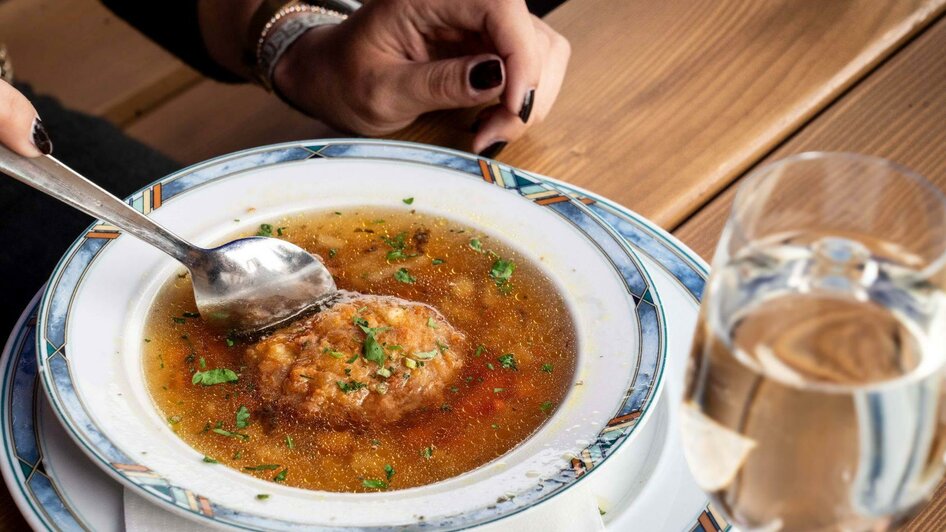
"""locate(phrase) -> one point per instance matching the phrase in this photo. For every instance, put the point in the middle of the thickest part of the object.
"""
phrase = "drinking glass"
(814, 396)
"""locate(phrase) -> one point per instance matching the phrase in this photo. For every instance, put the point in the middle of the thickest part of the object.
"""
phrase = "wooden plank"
(899, 113)
(214, 118)
(79, 52)
(667, 102)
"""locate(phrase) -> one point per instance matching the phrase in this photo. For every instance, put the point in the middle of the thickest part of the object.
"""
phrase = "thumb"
(453, 83)
(21, 130)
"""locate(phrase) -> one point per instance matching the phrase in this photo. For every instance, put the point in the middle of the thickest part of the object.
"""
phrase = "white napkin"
(574, 510)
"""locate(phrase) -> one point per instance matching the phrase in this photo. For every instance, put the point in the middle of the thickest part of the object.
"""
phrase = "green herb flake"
(371, 349)
(388, 471)
(454, 389)
(265, 230)
(237, 455)
(333, 353)
(501, 272)
(281, 476)
(229, 434)
(203, 363)
(476, 245)
(547, 368)
(408, 201)
(262, 467)
(179, 320)
(402, 275)
(230, 342)
(546, 406)
(242, 417)
(432, 324)
(498, 390)
(508, 361)
(279, 231)
(352, 359)
(174, 420)
(479, 350)
(427, 452)
(350, 386)
(332, 252)
(210, 460)
(490, 366)
(147, 340)
(437, 262)
(495, 426)
(426, 355)
(384, 372)
(374, 484)
(214, 376)
(262, 496)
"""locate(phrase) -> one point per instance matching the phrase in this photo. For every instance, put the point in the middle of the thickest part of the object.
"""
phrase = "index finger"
(508, 24)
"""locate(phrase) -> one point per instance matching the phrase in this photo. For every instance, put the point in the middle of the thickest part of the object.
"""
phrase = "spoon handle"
(51, 177)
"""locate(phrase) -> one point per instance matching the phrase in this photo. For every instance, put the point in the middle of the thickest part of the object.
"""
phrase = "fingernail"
(526, 111)
(493, 150)
(40, 138)
(475, 126)
(486, 75)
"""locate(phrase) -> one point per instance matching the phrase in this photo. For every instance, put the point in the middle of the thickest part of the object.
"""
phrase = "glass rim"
(760, 174)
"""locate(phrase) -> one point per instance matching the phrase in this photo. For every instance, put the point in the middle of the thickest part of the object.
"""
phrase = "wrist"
(304, 69)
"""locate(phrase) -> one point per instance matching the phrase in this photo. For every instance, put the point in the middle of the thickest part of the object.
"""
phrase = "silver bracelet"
(282, 30)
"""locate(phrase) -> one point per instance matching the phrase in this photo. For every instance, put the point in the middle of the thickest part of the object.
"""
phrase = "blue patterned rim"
(605, 223)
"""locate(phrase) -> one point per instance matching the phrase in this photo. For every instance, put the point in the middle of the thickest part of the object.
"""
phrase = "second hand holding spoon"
(245, 286)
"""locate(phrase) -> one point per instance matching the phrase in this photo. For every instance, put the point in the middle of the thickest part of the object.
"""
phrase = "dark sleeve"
(173, 24)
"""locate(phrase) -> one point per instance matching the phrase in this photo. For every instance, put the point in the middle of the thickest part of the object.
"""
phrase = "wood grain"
(665, 103)
(899, 112)
(92, 61)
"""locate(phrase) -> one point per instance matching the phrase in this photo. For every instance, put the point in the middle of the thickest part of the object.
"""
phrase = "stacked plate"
(80, 427)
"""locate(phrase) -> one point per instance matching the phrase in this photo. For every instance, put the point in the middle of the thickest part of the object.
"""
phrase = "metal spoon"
(244, 286)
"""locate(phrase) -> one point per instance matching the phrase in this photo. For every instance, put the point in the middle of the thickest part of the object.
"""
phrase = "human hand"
(21, 129)
(394, 60)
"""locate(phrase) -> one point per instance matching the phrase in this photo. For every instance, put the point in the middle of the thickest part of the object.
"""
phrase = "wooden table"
(667, 105)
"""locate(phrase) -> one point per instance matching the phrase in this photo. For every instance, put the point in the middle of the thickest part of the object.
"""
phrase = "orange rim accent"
(484, 169)
(94, 234)
(553, 199)
(156, 196)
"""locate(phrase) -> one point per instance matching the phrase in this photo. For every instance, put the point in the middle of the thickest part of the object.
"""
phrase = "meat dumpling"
(366, 359)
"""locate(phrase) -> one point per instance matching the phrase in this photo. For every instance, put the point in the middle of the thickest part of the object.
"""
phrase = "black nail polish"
(486, 75)
(40, 137)
(493, 150)
(526, 111)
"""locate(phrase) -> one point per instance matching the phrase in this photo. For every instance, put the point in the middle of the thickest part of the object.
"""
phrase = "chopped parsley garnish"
(147, 340)
(210, 460)
(237, 455)
(495, 426)
(498, 390)
(394, 347)
(408, 201)
(454, 389)
(546, 406)
(174, 420)
(432, 324)
(281, 476)
(262, 467)
(332, 252)
(279, 231)
(352, 359)
(427, 452)
(371, 349)
(490, 366)
(229, 434)
(374, 484)
(547, 368)
(333, 353)
(265, 230)
(388, 471)
(203, 363)
(445, 407)
(508, 361)
(404, 276)
(476, 245)
(479, 350)
(161, 360)
(230, 342)
(437, 262)
(350, 386)
(179, 320)
(398, 246)
(242, 417)
(426, 355)
(262, 496)
(501, 272)
(214, 376)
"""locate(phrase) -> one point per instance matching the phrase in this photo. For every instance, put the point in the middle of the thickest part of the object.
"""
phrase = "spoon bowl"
(243, 286)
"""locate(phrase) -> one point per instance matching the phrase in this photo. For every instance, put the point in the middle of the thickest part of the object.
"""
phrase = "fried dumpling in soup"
(366, 359)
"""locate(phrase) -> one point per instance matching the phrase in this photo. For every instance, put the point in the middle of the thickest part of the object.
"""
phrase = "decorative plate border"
(60, 291)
